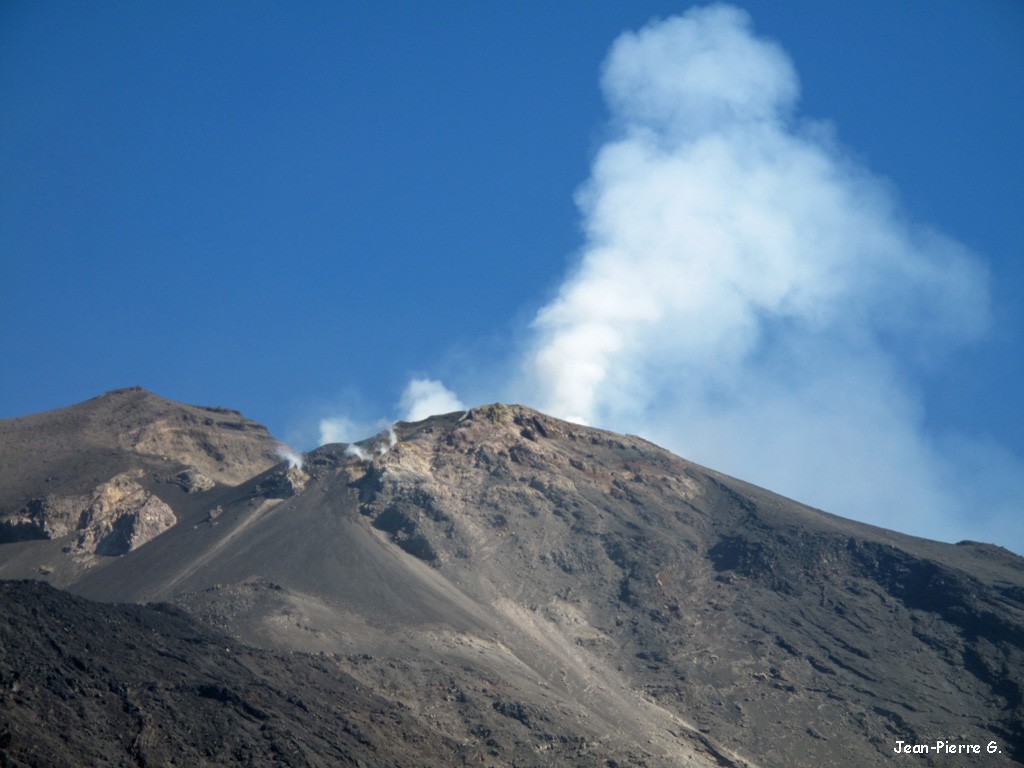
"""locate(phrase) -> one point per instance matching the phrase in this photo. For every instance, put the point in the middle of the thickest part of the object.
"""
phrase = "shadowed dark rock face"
(517, 590)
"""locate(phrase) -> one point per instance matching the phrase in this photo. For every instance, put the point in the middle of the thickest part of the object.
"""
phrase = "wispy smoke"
(426, 397)
(389, 441)
(287, 454)
(359, 453)
(420, 398)
(342, 429)
(749, 295)
(380, 445)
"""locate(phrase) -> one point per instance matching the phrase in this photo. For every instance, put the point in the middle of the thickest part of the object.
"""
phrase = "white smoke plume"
(390, 442)
(287, 454)
(753, 298)
(355, 450)
(379, 444)
(427, 397)
(342, 429)
(420, 399)
(750, 296)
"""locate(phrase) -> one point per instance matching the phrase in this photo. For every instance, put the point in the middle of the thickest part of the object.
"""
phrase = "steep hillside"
(541, 593)
(793, 636)
(105, 476)
(85, 684)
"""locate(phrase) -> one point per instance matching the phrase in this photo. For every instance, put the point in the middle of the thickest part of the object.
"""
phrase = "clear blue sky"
(294, 208)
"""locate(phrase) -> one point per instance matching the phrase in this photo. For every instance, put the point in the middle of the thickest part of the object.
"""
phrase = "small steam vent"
(378, 445)
(283, 482)
(297, 479)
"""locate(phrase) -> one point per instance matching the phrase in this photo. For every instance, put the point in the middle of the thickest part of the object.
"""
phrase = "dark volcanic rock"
(283, 482)
(760, 621)
(85, 684)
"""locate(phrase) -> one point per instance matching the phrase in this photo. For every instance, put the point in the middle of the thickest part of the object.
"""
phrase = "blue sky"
(297, 211)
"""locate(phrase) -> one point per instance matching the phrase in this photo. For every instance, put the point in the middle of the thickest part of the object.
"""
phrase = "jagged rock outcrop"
(118, 516)
(121, 515)
(191, 480)
(69, 451)
(284, 482)
(47, 517)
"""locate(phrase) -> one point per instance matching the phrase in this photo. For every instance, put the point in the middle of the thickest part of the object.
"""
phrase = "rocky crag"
(95, 475)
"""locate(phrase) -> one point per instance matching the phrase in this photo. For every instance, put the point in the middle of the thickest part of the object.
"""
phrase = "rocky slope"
(85, 684)
(106, 474)
(532, 592)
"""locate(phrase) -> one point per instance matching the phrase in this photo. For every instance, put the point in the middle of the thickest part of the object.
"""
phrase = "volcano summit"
(488, 587)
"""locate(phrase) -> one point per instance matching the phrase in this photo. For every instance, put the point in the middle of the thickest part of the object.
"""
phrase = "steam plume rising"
(752, 298)
(287, 454)
(359, 453)
(427, 397)
(342, 429)
(748, 295)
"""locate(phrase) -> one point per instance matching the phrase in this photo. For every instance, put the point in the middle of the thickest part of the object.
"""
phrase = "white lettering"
(942, 747)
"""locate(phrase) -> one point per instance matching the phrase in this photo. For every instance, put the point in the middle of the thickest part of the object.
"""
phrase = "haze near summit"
(754, 298)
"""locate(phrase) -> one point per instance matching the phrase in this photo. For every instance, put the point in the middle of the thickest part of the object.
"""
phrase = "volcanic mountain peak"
(544, 593)
(631, 550)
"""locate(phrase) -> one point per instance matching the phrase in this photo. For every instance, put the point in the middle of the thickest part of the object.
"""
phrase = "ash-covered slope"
(105, 476)
(64, 450)
(87, 684)
(542, 593)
